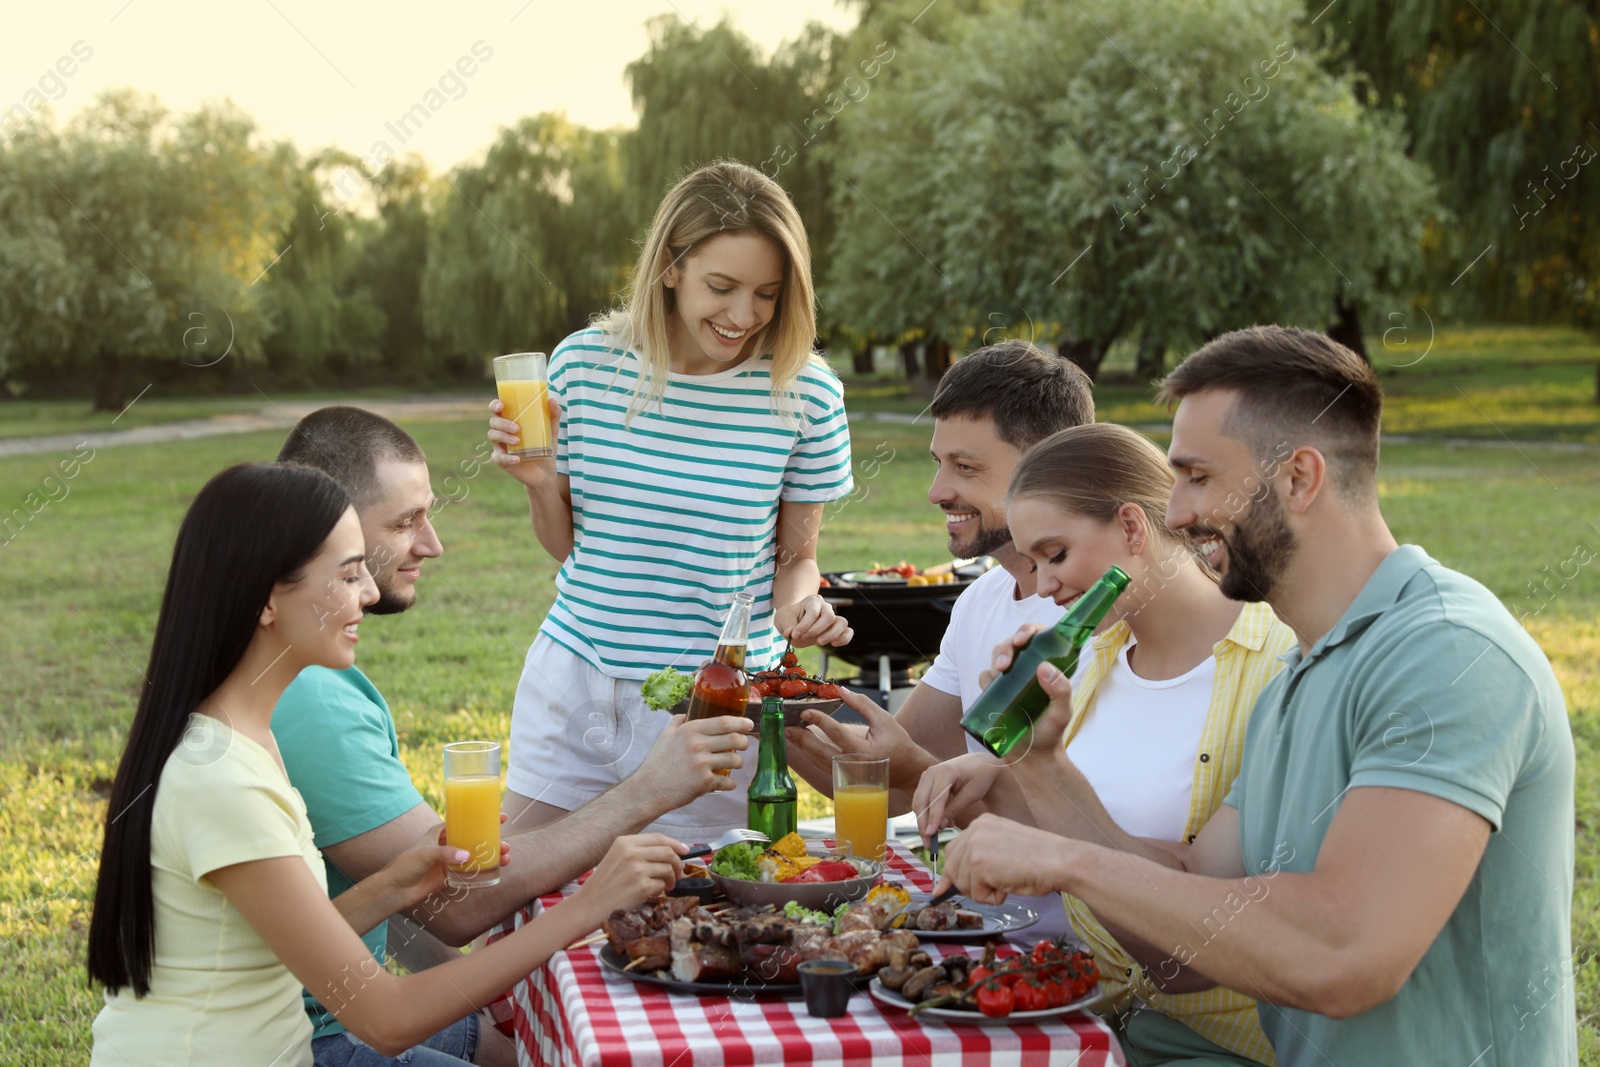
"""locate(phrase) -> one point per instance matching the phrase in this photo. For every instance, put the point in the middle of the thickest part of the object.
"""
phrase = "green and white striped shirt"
(676, 510)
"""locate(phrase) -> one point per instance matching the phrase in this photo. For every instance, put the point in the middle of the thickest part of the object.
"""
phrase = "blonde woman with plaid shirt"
(1160, 702)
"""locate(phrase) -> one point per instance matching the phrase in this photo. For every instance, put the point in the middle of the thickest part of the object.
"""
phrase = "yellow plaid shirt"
(1247, 658)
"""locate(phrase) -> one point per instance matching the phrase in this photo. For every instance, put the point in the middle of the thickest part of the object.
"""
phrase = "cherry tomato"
(791, 659)
(792, 687)
(1030, 997)
(1058, 994)
(828, 691)
(977, 976)
(996, 1003)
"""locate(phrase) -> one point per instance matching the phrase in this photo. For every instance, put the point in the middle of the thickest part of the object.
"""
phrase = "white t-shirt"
(987, 613)
(1137, 744)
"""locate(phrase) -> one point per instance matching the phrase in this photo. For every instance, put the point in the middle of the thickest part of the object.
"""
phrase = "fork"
(732, 837)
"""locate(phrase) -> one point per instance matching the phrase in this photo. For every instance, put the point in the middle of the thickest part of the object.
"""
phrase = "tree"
(1506, 113)
(393, 258)
(527, 245)
(119, 231)
(1119, 169)
(324, 315)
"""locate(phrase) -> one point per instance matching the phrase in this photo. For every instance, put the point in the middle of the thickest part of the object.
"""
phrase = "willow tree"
(1503, 104)
(119, 230)
(1119, 169)
(528, 244)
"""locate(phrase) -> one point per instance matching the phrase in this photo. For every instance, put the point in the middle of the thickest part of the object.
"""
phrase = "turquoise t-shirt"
(1427, 683)
(337, 739)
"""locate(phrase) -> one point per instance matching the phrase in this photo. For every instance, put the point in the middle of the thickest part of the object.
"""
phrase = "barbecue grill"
(897, 626)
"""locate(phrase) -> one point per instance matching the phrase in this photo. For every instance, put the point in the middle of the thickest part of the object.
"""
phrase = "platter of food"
(961, 920)
(668, 690)
(1046, 982)
(676, 944)
(755, 873)
(902, 573)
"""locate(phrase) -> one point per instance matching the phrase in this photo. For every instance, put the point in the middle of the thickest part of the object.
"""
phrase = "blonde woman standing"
(698, 438)
(1160, 702)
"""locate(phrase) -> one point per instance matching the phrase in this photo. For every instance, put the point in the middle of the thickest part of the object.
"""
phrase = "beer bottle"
(721, 686)
(1005, 712)
(773, 798)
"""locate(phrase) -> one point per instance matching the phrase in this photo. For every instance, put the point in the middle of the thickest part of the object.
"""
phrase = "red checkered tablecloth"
(573, 1012)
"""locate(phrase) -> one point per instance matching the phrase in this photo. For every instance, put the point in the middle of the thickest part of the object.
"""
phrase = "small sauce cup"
(827, 988)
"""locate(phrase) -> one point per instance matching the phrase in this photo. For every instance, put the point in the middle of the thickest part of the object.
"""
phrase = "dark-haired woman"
(211, 909)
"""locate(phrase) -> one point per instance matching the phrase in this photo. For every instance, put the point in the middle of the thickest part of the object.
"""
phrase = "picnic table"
(573, 1013)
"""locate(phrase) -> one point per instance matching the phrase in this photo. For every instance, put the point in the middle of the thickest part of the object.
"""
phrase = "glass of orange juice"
(523, 380)
(472, 810)
(861, 804)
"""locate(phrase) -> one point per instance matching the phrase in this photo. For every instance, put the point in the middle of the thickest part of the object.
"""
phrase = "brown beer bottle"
(721, 686)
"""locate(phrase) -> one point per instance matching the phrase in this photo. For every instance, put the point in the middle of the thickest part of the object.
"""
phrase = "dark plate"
(791, 709)
(613, 962)
(746, 987)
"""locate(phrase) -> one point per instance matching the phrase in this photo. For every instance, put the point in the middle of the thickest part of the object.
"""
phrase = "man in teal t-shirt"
(338, 742)
(1391, 876)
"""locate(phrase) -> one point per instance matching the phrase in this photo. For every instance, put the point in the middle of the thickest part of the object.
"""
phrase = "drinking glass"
(861, 804)
(472, 810)
(523, 380)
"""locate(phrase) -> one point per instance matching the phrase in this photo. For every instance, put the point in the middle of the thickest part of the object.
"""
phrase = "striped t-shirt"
(676, 510)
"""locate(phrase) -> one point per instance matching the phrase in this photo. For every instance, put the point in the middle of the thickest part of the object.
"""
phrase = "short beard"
(986, 542)
(1260, 550)
(388, 603)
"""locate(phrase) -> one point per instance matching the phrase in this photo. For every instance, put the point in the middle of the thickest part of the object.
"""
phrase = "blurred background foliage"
(1143, 173)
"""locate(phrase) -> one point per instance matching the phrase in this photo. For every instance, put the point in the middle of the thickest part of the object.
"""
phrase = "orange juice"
(860, 817)
(472, 819)
(526, 404)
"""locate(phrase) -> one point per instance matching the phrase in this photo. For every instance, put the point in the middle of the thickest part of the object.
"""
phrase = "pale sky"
(334, 72)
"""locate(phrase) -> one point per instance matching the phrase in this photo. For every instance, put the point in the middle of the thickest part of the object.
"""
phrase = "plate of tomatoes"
(1046, 982)
(799, 690)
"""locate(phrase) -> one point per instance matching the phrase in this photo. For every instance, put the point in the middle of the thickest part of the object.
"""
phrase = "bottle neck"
(736, 630)
(772, 740)
(731, 655)
(1094, 604)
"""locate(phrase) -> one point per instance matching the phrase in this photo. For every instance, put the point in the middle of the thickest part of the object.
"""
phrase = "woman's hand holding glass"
(504, 433)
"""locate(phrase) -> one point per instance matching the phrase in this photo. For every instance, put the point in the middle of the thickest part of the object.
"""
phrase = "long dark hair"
(248, 529)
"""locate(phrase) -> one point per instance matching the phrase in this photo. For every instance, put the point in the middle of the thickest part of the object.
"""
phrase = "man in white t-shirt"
(991, 407)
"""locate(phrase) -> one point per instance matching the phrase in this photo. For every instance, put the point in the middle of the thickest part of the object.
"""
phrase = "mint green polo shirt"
(1428, 683)
(337, 738)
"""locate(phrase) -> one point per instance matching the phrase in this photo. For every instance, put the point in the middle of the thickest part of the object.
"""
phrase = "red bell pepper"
(826, 871)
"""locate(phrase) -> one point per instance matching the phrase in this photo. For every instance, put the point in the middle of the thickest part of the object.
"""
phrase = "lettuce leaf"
(665, 688)
(739, 861)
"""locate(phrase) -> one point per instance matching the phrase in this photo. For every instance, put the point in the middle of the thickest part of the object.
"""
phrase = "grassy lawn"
(1520, 383)
(84, 578)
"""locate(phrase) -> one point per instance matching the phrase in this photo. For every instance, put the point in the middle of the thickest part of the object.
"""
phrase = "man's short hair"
(1027, 393)
(348, 444)
(1295, 387)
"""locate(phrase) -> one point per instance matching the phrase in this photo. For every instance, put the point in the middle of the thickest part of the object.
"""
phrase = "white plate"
(998, 919)
(863, 578)
(884, 995)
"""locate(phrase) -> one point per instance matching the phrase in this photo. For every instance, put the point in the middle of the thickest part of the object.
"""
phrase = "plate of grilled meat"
(678, 945)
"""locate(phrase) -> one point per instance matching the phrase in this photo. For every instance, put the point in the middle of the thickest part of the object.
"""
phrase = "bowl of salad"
(786, 872)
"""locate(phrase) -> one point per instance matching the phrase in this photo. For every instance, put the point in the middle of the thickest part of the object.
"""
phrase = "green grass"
(84, 578)
(1521, 383)
(48, 417)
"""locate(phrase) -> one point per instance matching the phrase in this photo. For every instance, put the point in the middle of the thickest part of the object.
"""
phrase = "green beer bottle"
(1004, 713)
(773, 798)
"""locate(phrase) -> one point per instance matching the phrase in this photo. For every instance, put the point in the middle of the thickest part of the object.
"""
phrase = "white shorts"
(576, 732)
